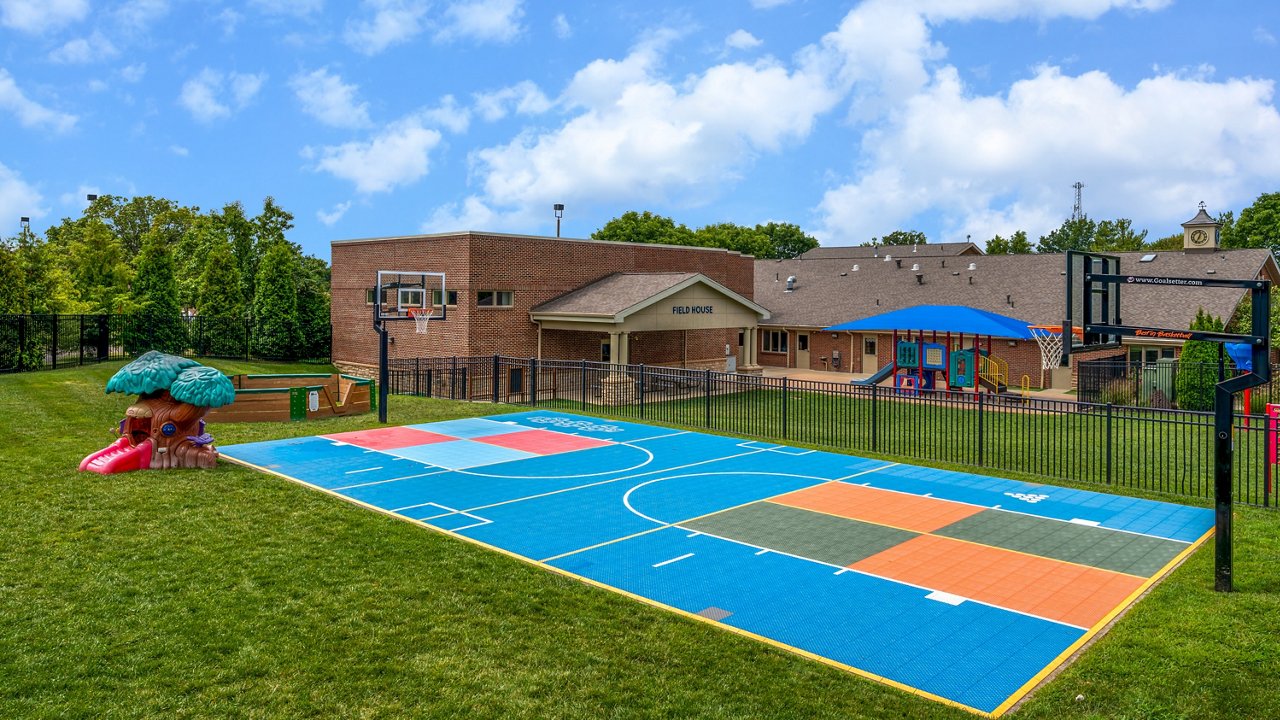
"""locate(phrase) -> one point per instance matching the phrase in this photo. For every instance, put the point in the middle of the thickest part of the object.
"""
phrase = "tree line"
(154, 257)
(765, 241)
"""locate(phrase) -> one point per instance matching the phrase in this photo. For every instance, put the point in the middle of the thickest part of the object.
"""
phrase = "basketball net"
(1049, 338)
(421, 320)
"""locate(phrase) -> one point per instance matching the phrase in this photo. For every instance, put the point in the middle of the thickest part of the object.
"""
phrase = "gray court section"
(829, 539)
(1094, 546)
(715, 613)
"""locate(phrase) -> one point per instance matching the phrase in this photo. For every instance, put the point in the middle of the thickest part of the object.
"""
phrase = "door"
(870, 360)
(802, 351)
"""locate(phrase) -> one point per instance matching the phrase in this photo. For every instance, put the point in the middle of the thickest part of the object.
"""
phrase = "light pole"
(559, 208)
(26, 224)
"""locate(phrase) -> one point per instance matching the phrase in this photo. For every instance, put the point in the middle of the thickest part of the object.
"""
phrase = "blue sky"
(954, 117)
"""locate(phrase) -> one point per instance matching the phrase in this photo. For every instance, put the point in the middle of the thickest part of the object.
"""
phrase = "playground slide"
(119, 456)
(875, 379)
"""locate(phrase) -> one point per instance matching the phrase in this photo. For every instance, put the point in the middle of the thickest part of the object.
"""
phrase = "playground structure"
(165, 427)
(284, 398)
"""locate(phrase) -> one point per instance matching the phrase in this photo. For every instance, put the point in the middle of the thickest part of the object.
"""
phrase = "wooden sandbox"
(281, 398)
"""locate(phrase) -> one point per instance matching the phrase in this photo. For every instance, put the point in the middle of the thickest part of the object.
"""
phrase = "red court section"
(882, 507)
(542, 442)
(1039, 586)
(388, 438)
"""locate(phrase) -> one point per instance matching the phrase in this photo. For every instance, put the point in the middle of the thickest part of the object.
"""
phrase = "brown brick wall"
(535, 269)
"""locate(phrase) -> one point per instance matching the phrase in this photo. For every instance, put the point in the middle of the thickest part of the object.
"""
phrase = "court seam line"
(1042, 517)
(948, 537)
(391, 480)
(1031, 684)
(885, 579)
(471, 472)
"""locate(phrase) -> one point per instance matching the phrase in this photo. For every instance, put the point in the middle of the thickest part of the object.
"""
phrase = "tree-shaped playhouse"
(164, 428)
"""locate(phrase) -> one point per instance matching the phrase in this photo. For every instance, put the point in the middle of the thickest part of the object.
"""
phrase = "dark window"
(802, 343)
(494, 298)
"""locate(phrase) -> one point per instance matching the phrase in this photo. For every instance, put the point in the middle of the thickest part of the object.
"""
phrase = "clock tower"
(1200, 232)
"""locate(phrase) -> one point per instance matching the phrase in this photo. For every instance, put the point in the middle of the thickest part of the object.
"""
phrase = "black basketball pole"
(381, 327)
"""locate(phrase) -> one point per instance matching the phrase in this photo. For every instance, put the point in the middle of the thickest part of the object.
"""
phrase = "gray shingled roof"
(1031, 288)
(613, 294)
(926, 250)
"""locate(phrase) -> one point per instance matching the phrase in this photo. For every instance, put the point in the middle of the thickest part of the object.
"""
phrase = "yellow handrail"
(993, 370)
(1026, 386)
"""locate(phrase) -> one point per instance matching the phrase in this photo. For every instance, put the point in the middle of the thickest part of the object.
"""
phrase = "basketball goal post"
(1094, 283)
(399, 296)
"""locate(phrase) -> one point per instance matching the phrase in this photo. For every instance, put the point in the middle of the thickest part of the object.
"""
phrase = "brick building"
(528, 296)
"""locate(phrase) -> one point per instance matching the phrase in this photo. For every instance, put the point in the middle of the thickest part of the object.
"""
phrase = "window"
(868, 346)
(410, 298)
(370, 294)
(775, 341)
(452, 296)
(606, 351)
(802, 343)
(494, 298)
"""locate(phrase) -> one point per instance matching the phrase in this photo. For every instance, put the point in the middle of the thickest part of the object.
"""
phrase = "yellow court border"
(1009, 702)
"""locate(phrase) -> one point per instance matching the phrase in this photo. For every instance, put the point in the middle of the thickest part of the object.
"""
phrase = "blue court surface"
(963, 588)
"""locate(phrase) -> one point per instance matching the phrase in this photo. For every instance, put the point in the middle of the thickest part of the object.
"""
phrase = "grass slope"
(229, 593)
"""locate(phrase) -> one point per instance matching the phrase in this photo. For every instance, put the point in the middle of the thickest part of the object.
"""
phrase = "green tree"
(729, 236)
(276, 332)
(1197, 373)
(49, 286)
(313, 308)
(272, 223)
(1168, 242)
(645, 227)
(220, 320)
(13, 286)
(1259, 224)
(1071, 235)
(192, 254)
(1227, 233)
(157, 324)
(786, 240)
(99, 268)
(1117, 236)
(900, 237)
(129, 218)
(1016, 244)
(240, 230)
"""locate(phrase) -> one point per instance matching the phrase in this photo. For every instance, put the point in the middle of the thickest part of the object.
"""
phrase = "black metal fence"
(1157, 450)
(39, 342)
(1156, 384)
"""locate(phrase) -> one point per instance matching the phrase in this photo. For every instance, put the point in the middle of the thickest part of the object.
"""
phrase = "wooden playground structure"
(283, 398)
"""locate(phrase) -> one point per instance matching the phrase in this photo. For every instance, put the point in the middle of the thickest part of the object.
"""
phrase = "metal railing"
(1156, 384)
(1156, 450)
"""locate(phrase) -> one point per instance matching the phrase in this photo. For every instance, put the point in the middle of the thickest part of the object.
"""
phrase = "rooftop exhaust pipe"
(973, 266)
(791, 283)
(919, 278)
(887, 258)
(915, 266)
(898, 263)
(855, 268)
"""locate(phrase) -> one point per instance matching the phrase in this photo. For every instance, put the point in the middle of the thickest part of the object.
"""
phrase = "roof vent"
(887, 258)
(855, 268)
(973, 266)
(914, 247)
(919, 278)
(970, 279)
(898, 262)
(944, 262)
(915, 267)
(1009, 300)
(844, 274)
(1211, 271)
(1149, 257)
(791, 283)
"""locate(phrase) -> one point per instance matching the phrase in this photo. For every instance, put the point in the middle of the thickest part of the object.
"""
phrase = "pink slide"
(119, 456)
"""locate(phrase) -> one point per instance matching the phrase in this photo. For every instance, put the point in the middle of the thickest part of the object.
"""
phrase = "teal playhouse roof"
(941, 318)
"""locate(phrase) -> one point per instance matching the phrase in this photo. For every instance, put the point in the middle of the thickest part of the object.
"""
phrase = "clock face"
(1199, 237)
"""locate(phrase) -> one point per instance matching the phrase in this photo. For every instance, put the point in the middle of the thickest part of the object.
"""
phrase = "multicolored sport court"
(963, 588)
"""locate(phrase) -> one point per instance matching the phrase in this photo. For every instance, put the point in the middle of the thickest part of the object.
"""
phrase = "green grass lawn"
(229, 593)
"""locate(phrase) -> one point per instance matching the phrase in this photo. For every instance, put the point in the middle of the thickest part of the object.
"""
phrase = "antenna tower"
(1077, 212)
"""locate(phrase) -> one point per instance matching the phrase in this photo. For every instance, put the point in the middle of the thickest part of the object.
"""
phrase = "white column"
(615, 348)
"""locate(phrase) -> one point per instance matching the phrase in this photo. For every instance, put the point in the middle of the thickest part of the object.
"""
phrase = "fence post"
(582, 384)
(706, 393)
(80, 345)
(533, 382)
(417, 377)
(497, 381)
(786, 392)
(248, 337)
(642, 381)
(875, 425)
(22, 342)
(53, 319)
(1109, 443)
(981, 435)
(453, 378)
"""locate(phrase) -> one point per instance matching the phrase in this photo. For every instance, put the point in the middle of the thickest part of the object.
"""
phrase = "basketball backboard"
(1091, 307)
(401, 294)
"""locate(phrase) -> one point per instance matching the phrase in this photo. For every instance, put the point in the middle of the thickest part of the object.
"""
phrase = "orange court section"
(1046, 588)
(882, 507)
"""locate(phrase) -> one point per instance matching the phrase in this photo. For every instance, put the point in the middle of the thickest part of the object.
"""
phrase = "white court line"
(380, 482)
(356, 472)
(693, 534)
(626, 497)
(763, 551)
(685, 556)
(877, 468)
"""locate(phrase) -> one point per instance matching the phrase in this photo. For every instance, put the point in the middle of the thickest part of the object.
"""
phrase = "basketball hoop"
(421, 319)
(1049, 338)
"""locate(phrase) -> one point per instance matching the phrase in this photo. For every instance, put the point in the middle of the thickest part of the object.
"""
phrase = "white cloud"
(179, 150)
(30, 113)
(295, 8)
(133, 73)
(1263, 36)
(484, 20)
(397, 155)
(40, 16)
(334, 215)
(447, 115)
(767, 4)
(393, 22)
(79, 198)
(998, 163)
(230, 20)
(561, 27)
(523, 98)
(326, 98)
(741, 40)
(204, 95)
(84, 50)
(17, 197)
(137, 16)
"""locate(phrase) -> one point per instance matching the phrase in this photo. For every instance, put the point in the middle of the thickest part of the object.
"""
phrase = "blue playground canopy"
(941, 318)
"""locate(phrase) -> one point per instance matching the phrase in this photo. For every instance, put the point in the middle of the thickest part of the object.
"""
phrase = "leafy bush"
(1194, 386)
(1119, 392)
